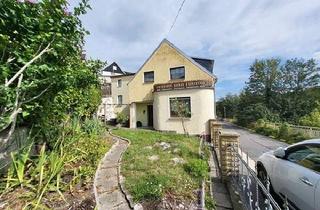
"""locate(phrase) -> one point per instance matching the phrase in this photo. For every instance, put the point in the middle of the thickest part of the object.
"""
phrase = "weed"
(150, 187)
(197, 168)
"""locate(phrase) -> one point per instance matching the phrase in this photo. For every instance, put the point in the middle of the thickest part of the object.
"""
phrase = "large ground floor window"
(180, 107)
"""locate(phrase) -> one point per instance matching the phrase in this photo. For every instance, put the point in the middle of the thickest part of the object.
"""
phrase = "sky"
(232, 32)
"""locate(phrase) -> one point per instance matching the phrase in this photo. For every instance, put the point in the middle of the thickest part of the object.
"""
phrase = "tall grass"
(76, 152)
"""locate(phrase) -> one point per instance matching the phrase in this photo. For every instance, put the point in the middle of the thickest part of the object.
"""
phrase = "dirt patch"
(82, 199)
(169, 201)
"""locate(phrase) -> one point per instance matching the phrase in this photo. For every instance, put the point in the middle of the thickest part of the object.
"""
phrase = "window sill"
(177, 80)
(148, 82)
(179, 118)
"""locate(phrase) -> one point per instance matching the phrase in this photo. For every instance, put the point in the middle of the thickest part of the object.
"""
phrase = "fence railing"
(306, 130)
(253, 193)
(239, 169)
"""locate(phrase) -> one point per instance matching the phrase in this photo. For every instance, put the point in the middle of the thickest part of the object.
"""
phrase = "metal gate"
(253, 193)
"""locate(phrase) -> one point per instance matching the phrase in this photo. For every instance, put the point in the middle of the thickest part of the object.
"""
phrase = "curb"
(98, 169)
(124, 191)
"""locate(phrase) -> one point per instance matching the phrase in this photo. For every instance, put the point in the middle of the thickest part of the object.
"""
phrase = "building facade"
(120, 96)
(107, 107)
(173, 92)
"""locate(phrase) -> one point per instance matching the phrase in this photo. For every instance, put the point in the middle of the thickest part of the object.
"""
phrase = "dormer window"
(177, 73)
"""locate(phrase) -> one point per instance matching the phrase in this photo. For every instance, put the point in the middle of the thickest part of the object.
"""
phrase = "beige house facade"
(169, 79)
(120, 96)
(106, 109)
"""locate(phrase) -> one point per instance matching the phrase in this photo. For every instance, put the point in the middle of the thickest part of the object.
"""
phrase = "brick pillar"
(215, 129)
(228, 158)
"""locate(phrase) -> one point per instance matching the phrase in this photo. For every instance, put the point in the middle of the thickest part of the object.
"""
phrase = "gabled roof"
(110, 68)
(201, 63)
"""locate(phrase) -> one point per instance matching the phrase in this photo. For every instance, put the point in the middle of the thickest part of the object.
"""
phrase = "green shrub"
(122, 118)
(197, 168)
(92, 126)
(209, 203)
(267, 131)
(296, 137)
(260, 123)
(284, 131)
(312, 119)
(149, 187)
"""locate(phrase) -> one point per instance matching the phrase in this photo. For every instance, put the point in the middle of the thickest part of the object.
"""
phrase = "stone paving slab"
(106, 185)
(219, 192)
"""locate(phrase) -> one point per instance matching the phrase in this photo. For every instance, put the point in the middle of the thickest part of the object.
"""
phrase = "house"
(120, 96)
(106, 109)
(170, 77)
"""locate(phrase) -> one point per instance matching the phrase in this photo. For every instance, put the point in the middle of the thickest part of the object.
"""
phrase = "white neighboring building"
(106, 109)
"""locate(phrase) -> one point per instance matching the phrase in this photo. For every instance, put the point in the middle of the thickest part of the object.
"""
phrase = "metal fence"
(253, 193)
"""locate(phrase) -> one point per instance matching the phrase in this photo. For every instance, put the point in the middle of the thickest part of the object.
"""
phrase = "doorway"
(150, 115)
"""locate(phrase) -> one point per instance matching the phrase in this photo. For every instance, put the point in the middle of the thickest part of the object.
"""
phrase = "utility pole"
(224, 113)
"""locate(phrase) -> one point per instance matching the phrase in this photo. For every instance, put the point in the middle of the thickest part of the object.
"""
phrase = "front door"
(150, 115)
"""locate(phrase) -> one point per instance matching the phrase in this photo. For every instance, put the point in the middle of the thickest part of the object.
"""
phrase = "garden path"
(106, 184)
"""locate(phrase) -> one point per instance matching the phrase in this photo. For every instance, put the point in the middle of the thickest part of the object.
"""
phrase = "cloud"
(234, 33)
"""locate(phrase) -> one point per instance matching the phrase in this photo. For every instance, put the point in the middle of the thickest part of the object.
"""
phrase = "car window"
(307, 156)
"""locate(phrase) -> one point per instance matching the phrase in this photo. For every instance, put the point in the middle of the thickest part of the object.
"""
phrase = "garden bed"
(162, 170)
(59, 176)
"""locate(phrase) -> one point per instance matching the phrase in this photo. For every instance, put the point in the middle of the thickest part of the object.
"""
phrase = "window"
(177, 73)
(119, 99)
(180, 107)
(307, 156)
(106, 89)
(119, 83)
(149, 76)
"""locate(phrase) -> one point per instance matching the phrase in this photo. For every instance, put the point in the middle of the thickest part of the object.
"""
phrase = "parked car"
(294, 172)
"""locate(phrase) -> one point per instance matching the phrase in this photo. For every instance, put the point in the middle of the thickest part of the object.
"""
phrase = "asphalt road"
(252, 143)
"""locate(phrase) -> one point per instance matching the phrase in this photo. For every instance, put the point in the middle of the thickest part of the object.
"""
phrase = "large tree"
(263, 82)
(58, 82)
(298, 79)
(227, 106)
(278, 91)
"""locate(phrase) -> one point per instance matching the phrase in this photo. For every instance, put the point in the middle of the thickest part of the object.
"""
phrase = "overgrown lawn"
(150, 171)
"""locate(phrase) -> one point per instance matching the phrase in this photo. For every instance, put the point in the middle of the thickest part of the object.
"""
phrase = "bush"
(149, 187)
(92, 126)
(296, 137)
(122, 118)
(284, 131)
(197, 168)
(253, 113)
(209, 202)
(313, 119)
(267, 131)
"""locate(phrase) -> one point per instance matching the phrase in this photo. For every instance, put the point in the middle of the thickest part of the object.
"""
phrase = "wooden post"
(228, 147)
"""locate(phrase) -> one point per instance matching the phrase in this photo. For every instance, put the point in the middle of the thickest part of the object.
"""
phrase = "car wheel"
(262, 175)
